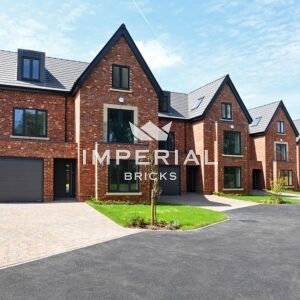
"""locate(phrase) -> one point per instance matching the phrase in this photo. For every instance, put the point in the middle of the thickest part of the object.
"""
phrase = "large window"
(169, 144)
(232, 177)
(30, 122)
(120, 77)
(232, 143)
(116, 176)
(287, 175)
(280, 152)
(30, 68)
(280, 126)
(226, 111)
(118, 127)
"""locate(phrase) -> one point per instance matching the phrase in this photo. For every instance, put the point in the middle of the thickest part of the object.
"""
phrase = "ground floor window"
(116, 176)
(287, 176)
(232, 177)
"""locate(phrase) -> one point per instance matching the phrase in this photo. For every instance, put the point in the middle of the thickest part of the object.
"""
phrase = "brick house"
(213, 122)
(273, 146)
(55, 112)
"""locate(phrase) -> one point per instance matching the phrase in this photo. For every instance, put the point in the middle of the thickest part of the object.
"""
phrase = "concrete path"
(32, 231)
(212, 202)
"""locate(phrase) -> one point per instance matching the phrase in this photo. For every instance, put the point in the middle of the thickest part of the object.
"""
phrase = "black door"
(256, 179)
(64, 178)
(191, 178)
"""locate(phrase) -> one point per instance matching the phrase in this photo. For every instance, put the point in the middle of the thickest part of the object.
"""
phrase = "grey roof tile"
(183, 105)
(61, 74)
(178, 106)
(207, 92)
(266, 113)
(297, 124)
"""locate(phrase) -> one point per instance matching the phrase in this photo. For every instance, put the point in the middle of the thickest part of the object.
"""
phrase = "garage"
(170, 180)
(21, 179)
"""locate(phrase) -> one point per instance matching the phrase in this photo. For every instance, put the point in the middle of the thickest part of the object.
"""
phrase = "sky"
(186, 44)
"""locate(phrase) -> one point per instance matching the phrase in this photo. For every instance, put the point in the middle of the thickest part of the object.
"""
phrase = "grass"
(262, 198)
(188, 217)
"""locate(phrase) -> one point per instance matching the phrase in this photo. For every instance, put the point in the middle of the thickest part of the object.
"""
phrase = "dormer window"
(164, 102)
(30, 68)
(31, 65)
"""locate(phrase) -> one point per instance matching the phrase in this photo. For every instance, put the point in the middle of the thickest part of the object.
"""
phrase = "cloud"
(157, 55)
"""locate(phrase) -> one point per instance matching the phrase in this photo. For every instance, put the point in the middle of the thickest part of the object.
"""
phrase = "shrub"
(137, 221)
(277, 189)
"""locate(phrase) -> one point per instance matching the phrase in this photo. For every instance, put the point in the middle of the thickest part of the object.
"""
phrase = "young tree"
(155, 188)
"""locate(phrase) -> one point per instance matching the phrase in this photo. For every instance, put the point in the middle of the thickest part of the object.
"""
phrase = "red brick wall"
(96, 92)
(214, 127)
(55, 147)
(289, 137)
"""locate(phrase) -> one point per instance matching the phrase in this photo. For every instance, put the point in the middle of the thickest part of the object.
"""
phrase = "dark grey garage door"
(170, 187)
(21, 179)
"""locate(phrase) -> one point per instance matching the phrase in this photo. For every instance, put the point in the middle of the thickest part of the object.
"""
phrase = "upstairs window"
(164, 102)
(120, 77)
(118, 127)
(232, 143)
(280, 152)
(169, 144)
(226, 111)
(31, 65)
(280, 127)
(30, 68)
(30, 122)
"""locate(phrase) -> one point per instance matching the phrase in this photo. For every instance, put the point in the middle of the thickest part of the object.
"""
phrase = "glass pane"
(18, 121)
(125, 78)
(30, 122)
(35, 69)
(228, 111)
(112, 125)
(223, 113)
(116, 77)
(125, 130)
(41, 123)
(113, 176)
(237, 177)
(26, 68)
(134, 183)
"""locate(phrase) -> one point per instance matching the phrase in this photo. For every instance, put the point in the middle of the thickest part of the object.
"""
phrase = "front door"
(64, 178)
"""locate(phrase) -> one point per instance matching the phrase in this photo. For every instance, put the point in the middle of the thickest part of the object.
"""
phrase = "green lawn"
(189, 217)
(262, 198)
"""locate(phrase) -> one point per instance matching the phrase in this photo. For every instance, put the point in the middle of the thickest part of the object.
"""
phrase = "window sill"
(124, 194)
(232, 155)
(120, 90)
(227, 120)
(233, 189)
(29, 137)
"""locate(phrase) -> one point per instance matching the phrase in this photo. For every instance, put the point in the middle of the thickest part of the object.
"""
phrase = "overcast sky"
(186, 43)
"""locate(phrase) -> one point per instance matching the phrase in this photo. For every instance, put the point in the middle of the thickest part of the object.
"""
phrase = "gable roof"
(198, 102)
(60, 73)
(121, 32)
(266, 113)
(67, 75)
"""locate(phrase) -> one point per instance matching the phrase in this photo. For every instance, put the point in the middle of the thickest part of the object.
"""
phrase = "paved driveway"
(31, 231)
(254, 255)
